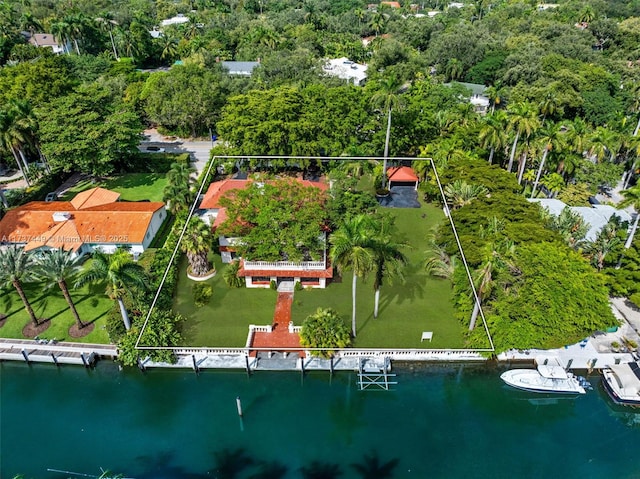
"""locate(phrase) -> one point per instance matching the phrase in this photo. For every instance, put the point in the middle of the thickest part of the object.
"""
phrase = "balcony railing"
(285, 265)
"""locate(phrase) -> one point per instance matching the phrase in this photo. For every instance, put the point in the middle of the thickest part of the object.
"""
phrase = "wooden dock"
(39, 351)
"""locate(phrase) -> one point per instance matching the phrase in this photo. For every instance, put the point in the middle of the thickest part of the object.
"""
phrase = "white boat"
(622, 383)
(548, 377)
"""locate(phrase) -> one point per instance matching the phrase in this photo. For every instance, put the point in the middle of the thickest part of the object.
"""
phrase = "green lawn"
(91, 302)
(225, 320)
(422, 303)
(131, 186)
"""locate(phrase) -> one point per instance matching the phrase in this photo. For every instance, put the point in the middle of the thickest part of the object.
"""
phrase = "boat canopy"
(628, 376)
(552, 372)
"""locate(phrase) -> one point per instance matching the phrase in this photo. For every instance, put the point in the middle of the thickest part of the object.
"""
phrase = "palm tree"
(351, 250)
(492, 132)
(58, 266)
(121, 274)
(16, 267)
(387, 97)
(12, 139)
(605, 242)
(460, 193)
(550, 139)
(388, 259)
(498, 255)
(378, 22)
(196, 243)
(631, 198)
(604, 141)
(169, 46)
(177, 192)
(62, 32)
(106, 22)
(523, 120)
(438, 263)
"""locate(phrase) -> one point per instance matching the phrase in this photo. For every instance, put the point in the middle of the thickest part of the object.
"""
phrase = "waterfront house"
(47, 40)
(93, 220)
(260, 274)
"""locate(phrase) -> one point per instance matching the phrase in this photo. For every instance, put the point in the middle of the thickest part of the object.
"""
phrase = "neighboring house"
(546, 6)
(347, 70)
(477, 98)
(92, 220)
(259, 274)
(596, 217)
(366, 41)
(177, 20)
(402, 176)
(239, 68)
(47, 40)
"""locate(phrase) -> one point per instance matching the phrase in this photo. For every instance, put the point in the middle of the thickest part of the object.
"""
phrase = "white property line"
(335, 158)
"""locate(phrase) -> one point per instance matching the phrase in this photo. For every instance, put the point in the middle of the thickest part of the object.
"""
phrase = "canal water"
(438, 422)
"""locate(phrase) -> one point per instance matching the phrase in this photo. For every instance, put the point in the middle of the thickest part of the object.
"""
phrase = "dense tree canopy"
(88, 131)
(277, 220)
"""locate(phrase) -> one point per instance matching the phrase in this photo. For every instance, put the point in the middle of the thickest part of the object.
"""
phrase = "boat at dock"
(622, 383)
(548, 377)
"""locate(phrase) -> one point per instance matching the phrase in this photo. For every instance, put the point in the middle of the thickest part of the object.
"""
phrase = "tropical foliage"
(324, 329)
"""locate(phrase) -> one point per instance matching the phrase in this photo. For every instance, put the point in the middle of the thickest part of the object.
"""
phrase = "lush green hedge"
(542, 294)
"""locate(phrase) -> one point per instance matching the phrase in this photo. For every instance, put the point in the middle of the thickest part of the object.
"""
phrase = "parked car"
(155, 149)
(53, 196)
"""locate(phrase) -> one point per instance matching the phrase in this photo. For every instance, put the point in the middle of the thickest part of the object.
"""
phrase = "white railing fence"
(285, 265)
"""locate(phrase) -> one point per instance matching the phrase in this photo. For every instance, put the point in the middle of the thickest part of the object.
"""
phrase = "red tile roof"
(218, 189)
(401, 173)
(94, 197)
(94, 221)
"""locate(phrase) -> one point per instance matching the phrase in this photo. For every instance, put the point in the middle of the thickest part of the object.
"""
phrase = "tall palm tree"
(61, 30)
(12, 139)
(351, 251)
(631, 198)
(604, 142)
(57, 267)
(106, 22)
(388, 258)
(121, 274)
(523, 120)
(605, 242)
(388, 97)
(17, 267)
(177, 192)
(550, 138)
(492, 132)
(498, 255)
(438, 263)
(196, 243)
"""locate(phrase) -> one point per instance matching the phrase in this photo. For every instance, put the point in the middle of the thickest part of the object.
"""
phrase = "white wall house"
(346, 69)
(93, 220)
(596, 217)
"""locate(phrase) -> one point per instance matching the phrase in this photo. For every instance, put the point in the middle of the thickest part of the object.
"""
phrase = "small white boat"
(622, 383)
(546, 378)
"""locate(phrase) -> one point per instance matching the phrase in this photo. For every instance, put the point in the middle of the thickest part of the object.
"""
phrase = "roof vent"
(59, 216)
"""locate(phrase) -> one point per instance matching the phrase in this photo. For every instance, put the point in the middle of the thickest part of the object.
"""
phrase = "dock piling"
(195, 364)
(239, 406)
(55, 360)
(25, 354)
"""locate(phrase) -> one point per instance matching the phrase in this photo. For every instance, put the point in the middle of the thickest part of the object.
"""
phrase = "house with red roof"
(260, 274)
(93, 220)
(402, 176)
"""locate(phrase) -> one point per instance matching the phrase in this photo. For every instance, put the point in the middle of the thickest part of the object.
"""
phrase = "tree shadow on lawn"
(398, 292)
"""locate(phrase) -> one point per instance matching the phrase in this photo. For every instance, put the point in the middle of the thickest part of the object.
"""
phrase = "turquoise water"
(439, 422)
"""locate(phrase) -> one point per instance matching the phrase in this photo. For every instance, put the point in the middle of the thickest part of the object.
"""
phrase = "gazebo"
(402, 176)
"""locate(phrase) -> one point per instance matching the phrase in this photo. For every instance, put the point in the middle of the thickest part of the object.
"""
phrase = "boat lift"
(373, 376)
